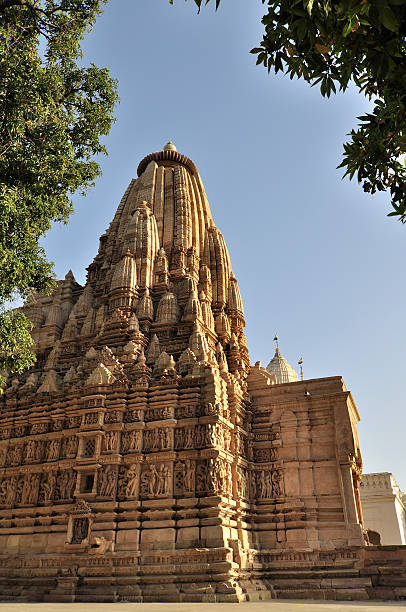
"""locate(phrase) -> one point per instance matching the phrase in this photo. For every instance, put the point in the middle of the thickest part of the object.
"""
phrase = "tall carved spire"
(163, 259)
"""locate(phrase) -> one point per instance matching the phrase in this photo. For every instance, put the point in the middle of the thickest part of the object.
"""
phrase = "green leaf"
(388, 18)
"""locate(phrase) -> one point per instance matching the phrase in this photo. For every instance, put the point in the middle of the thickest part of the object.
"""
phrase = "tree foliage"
(53, 112)
(330, 44)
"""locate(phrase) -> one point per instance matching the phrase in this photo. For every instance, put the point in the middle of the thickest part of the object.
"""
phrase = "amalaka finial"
(169, 146)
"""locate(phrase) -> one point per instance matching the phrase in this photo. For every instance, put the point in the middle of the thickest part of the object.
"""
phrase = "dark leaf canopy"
(53, 113)
(330, 44)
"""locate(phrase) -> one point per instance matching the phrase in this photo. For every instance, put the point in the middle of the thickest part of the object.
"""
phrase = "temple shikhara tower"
(143, 458)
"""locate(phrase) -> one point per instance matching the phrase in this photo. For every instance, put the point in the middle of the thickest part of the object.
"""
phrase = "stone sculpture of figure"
(8, 490)
(110, 440)
(11, 455)
(53, 357)
(70, 484)
(145, 480)
(211, 476)
(30, 489)
(18, 454)
(112, 417)
(58, 494)
(229, 479)
(201, 478)
(48, 487)
(71, 446)
(25, 490)
(155, 439)
(189, 476)
(33, 489)
(211, 435)
(122, 481)
(131, 489)
(226, 478)
(268, 484)
(19, 491)
(261, 484)
(252, 485)
(216, 476)
(19, 431)
(39, 446)
(111, 483)
(125, 442)
(195, 436)
(53, 450)
(80, 530)
(227, 439)
(108, 485)
(163, 480)
(189, 437)
(132, 415)
(277, 483)
(3, 490)
(147, 439)
(30, 450)
(135, 440)
(66, 481)
(153, 480)
(179, 437)
(104, 484)
(242, 488)
(58, 425)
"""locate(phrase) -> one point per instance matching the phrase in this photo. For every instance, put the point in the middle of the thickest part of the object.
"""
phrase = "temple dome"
(282, 370)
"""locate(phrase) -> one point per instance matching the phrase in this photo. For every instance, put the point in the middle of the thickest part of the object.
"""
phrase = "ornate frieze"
(156, 481)
(131, 441)
(157, 439)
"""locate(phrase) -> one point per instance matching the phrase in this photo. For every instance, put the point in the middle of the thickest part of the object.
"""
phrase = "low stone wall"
(207, 575)
(364, 573)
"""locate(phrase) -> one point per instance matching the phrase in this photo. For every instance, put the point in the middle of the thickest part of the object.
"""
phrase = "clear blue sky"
(316, 259)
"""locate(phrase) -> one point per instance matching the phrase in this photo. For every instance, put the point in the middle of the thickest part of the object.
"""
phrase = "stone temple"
(143, 458)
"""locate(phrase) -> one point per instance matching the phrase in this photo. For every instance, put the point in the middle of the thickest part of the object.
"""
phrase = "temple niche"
(143, 457)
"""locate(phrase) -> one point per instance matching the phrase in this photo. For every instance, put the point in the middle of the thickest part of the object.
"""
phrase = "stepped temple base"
(207, 575)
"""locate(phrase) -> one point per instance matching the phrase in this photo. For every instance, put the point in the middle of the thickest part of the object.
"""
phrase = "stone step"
(379, 562)
(349, 594)
(13, 598)
(328, 572)
(391, 580)
(94, 598)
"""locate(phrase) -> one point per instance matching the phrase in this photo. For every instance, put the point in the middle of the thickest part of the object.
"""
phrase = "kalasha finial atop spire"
(169, 146)
(275, 339)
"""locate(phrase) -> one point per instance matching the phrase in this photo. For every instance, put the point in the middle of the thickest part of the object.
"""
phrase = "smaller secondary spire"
(280, 368)
(169, 146)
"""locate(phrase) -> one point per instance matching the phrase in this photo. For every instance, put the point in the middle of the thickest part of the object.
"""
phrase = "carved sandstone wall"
(143, 458)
